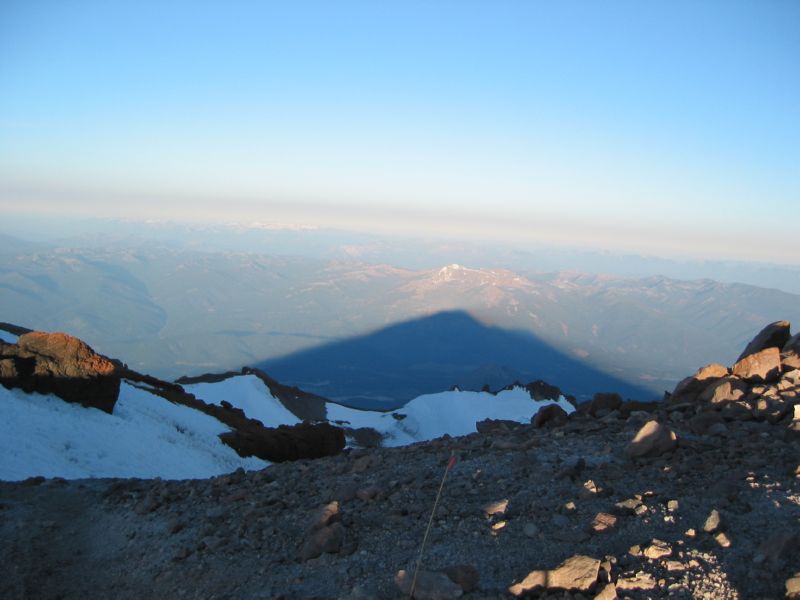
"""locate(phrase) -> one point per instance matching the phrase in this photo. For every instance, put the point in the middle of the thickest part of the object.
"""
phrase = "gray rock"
(653, 439)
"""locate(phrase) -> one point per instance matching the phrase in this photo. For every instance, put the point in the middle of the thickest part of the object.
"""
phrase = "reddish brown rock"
(688, 389)
(57, 363)
(762, 366)
(578, 573)
(727, 389)
(774, 335)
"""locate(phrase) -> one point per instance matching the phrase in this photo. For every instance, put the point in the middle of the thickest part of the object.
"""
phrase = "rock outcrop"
(60, 364)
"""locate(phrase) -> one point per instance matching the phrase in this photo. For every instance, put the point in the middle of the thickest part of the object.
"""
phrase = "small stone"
(603, 522)
(640, 581)
(691, 532)
(673, 505)
(465, 576)
(495, 508)
(793, 587)
(498, 526)
(657, 549)
(712, 522)
(675, 565)
(723, 540)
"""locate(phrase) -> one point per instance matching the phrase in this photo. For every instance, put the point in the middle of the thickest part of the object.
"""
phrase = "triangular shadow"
(388, 367)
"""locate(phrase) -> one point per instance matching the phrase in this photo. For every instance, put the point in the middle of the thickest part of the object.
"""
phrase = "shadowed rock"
(774, 335)
(287, 442)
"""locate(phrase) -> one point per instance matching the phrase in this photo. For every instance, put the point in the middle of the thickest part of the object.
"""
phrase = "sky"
(658, 127)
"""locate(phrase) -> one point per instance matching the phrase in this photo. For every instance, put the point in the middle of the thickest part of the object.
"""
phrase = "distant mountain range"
(172, 311)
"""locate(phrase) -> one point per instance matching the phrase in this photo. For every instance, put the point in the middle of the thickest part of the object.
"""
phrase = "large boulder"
(688, 388)
(762, 366)
(287, 442)
(774, 335)
(727, 389)
(60, 364)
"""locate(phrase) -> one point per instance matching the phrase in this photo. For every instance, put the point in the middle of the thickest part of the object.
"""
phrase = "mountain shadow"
(387, 368)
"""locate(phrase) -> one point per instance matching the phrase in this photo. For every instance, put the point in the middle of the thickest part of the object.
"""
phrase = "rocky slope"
(697, 496)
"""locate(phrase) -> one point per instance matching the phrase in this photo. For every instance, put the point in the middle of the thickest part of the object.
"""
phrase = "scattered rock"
(658, 549)
(603, 522)
(653, 439)
(552, 414)
(713, 522)
(641, 581)
(495, 508)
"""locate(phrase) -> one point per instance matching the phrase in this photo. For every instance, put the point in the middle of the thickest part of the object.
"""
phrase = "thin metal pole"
(450, 463)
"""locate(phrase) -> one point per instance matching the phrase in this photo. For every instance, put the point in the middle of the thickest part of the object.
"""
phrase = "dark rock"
(701, 422)
(541, 390)
(603, 401)
(325, 540)
(552, 414)
(774, 335)
(287, 442)
(465, 576)
(495, 426)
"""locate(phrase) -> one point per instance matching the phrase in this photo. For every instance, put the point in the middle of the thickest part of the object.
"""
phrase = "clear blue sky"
(661, 127)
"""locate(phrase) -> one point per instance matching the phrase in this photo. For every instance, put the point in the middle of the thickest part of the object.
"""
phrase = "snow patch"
(250, 394)
(454, 413)
(147, 436)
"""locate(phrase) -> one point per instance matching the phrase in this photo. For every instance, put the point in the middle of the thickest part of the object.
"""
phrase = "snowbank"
(455, 413)
(250, 394)
(146, 436)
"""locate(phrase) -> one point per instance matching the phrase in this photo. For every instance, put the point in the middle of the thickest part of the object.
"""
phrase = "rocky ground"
(570, 491)
(698, 497)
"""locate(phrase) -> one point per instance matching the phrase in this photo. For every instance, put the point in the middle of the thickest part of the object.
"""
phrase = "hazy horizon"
(666, 130)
